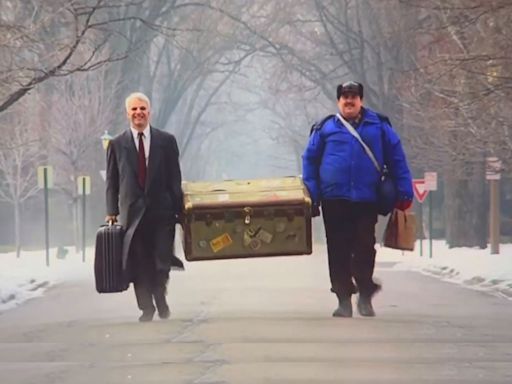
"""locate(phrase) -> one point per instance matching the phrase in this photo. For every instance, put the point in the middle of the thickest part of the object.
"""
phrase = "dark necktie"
(142, 161)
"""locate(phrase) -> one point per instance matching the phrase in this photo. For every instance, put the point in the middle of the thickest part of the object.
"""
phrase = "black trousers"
(350, 233)
(149, 283)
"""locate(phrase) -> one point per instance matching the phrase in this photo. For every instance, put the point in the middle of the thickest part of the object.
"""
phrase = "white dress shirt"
(146, 139)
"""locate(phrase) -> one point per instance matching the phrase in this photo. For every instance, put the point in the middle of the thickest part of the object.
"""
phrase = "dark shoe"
(164, 312)
(365, 307)
(161, 305)
(344, 308)
(146, 316)
(364, 302)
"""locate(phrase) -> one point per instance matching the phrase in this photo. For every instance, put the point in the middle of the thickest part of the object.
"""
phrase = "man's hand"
(315, 210)
(403, 205)
(112, 219)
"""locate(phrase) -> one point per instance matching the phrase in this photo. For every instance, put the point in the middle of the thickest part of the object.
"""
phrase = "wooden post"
(494, 217)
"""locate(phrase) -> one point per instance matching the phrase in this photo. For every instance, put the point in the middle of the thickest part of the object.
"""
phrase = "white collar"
(146, 132)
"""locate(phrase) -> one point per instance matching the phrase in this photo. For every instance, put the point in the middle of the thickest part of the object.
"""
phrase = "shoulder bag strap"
(368, 151)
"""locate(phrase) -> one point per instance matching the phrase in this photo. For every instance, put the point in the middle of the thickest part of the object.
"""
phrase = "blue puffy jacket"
(335, 165)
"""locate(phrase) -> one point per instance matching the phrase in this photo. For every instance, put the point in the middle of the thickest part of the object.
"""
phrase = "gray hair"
(138, 96)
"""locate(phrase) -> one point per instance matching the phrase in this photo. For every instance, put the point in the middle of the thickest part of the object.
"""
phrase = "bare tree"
(192, 53)
(427, 65)
(432, 66)
(19, 159)
(75, 129)
(454, 99)
(42, 40)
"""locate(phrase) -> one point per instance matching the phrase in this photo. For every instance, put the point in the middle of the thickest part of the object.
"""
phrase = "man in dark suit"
(144, 190)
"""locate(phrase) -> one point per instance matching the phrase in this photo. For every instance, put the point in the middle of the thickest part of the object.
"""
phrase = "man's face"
(350, 105)
(138, 114)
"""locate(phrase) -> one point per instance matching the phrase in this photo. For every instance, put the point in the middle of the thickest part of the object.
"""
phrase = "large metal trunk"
(246, 218)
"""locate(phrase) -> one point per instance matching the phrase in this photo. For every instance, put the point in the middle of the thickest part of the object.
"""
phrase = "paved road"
(260, 321)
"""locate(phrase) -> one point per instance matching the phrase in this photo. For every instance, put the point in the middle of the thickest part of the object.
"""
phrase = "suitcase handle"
(110, 224)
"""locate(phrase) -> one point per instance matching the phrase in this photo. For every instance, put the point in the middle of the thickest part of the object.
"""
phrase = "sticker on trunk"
(221, 242)
(264, 236)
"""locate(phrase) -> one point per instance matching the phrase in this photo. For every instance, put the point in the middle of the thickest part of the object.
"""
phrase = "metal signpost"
(493, 174)
(84, 189)
(418, 186)
(45, 181)
(430, 185)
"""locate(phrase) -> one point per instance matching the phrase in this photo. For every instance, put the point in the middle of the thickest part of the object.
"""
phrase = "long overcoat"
(160, 201)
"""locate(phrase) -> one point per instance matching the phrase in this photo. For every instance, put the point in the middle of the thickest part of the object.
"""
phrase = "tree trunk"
(466, 213)
(17, 228)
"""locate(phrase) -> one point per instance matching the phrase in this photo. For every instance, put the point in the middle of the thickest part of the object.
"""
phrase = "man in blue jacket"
(343, 180)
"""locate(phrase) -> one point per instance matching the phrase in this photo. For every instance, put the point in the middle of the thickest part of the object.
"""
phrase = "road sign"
(418, 186)
(49, 176)
(80, 184)
(430, 181)
(492, 168)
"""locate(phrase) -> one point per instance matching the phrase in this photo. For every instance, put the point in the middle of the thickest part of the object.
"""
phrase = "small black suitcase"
(108, 260)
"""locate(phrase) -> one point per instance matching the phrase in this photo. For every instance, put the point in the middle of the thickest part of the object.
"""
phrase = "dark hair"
(349, 87)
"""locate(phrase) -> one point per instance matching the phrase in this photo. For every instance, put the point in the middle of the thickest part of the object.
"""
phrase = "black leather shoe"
(164, 312)
(364, 302)
(146, 316)
(344, 308)
(365, 307)
(161, 305)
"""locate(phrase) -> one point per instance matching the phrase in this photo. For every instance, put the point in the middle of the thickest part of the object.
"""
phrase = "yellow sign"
(41, 176)
(221, 242)
(80, 180)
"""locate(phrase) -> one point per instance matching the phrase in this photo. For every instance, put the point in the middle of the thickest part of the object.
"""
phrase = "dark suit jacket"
(160, 201)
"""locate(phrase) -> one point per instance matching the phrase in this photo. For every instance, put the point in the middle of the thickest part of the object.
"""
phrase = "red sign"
(418, 186)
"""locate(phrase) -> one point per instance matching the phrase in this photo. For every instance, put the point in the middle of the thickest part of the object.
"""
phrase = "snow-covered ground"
(471, 267)
(28, 276)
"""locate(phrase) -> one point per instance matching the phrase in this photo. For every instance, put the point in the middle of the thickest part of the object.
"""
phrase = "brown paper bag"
(400, 231)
